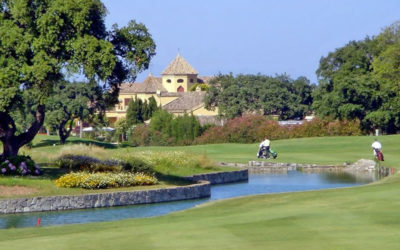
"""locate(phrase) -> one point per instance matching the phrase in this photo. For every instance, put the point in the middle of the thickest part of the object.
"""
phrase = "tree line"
(360, 80)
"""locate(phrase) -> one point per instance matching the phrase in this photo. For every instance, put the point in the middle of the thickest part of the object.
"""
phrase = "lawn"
(363, 217)
(322, 150)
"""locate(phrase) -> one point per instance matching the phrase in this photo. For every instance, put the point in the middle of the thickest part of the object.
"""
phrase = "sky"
(252, 36)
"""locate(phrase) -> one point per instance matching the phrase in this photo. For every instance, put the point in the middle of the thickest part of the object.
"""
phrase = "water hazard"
(261, 183)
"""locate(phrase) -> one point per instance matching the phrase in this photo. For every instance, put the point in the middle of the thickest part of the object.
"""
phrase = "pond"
(261, 183)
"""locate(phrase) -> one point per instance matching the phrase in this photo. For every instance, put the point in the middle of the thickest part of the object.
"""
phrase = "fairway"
(319, 150)
(352, 218)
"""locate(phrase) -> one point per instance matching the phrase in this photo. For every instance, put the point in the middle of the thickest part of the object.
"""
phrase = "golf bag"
(379, 155)
(266, 153)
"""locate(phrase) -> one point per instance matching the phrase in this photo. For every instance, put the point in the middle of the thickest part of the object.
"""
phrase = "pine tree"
(139, 116)
(134, 112)
(145, 111)
(152, 107)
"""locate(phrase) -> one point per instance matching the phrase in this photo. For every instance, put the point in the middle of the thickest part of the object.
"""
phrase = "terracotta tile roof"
(150, 85)
(179, 66)
(186, 102)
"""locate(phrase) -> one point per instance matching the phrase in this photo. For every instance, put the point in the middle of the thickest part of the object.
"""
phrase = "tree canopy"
(42, 41)
(279, 95)
(361, 80)
(71, 102)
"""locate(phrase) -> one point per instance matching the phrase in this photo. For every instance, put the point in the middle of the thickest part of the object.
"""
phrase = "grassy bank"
(168, 167)
(364, 217)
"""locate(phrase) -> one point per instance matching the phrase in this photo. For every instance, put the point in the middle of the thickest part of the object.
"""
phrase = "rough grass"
(49, 154)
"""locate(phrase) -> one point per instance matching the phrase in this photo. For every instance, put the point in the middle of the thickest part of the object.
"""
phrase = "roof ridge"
(179, 66)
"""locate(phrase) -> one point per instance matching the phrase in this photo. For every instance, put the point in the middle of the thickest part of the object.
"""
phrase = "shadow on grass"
(49, 142)
(53, 173)
(172, 179)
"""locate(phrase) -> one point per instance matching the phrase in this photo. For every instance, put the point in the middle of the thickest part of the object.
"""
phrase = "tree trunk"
(63, 138)
(64, 133)
(10, 148)
(11, 142)
(80, 128)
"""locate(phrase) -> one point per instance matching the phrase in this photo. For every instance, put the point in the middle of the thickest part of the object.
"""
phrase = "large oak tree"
(362, 80)
(41, 41)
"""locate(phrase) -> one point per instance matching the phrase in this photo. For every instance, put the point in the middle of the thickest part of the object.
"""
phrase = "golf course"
(364, 217)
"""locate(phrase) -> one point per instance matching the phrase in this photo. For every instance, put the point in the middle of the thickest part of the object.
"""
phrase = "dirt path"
(7, 191)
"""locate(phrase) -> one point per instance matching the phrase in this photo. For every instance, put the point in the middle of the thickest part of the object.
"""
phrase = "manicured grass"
(322, 150)
(353, 218)
(364, 217)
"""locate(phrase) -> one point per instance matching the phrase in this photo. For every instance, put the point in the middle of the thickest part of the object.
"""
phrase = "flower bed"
(91, 164)
(105, 180)
(19, 165)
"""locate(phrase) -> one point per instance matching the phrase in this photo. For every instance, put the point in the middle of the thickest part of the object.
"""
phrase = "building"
(171, 92)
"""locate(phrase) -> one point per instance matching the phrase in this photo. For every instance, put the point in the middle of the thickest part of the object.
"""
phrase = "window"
(119, 104)
(180, 80)
(180, 89)
(191, 80)
(127, 100)
(169, 81)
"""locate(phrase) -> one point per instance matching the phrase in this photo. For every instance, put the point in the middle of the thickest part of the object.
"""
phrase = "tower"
(179, 75)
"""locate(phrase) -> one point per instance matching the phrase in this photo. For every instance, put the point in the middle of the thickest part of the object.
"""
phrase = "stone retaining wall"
(221, 177)
(264, 166)
(53, 203)
(362, 165)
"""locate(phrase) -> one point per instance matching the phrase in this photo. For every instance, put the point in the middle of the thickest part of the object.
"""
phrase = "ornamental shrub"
(92, 164)
(166, 130)
(253, 128)
(19, 165)
(87, 163)
(169, 159)
(104, 180)
(141, 135)
(137, 165)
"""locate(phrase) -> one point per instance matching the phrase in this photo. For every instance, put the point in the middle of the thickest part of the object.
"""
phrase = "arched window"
(180, 81)
(180, 89)
(169, 81)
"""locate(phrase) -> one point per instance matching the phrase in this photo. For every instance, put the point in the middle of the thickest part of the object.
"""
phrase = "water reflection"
(351, 177)
(260, 183)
